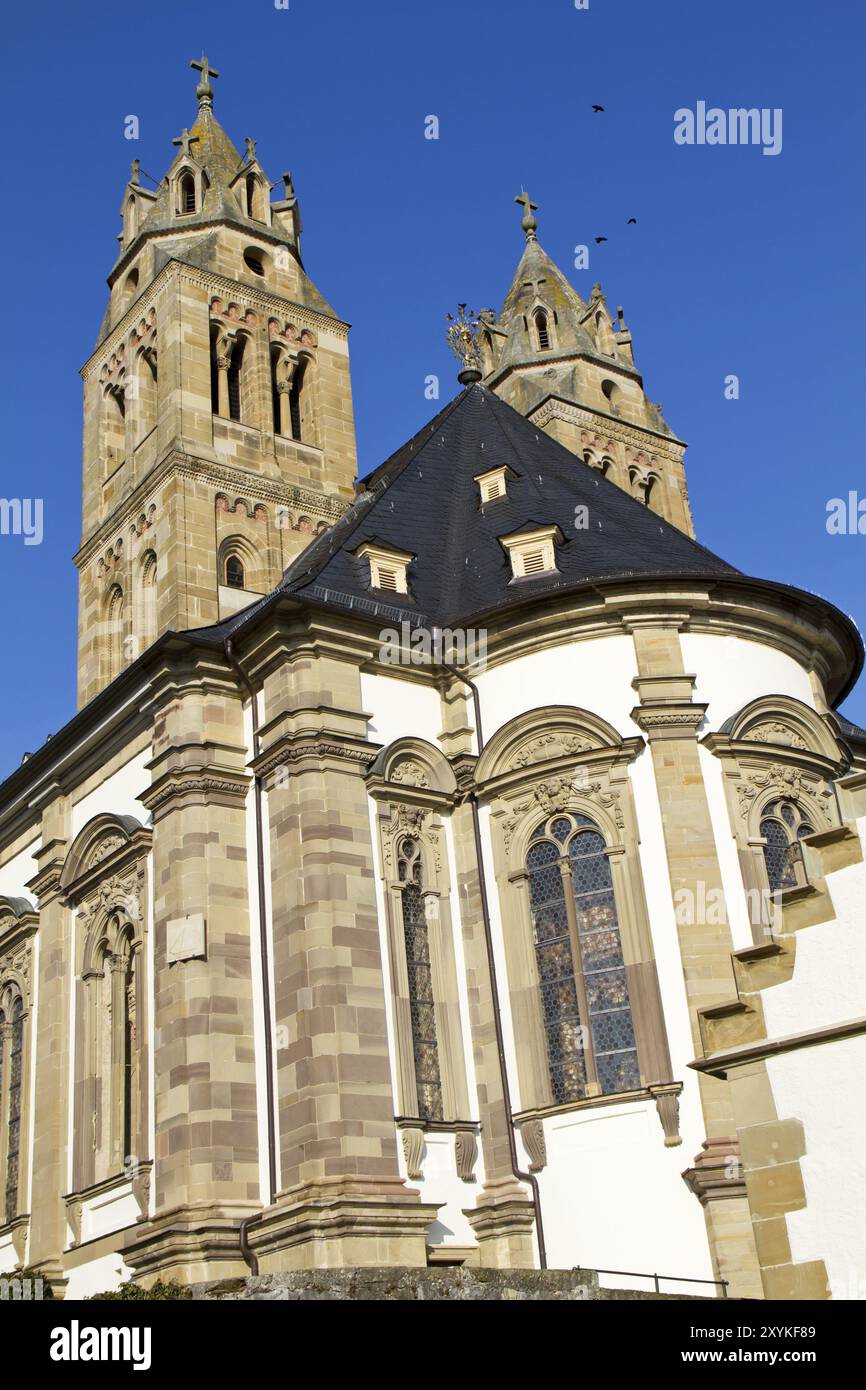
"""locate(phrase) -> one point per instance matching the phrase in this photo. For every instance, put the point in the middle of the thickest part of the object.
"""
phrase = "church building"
(460, 865)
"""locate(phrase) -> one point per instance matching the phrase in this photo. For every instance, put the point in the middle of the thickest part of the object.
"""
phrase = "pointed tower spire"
(568, 366)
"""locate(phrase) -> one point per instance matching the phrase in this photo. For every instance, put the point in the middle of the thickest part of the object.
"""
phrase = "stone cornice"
(555, 408)
(293, 749)
(324, 506)
(195, 785)
(268, 303)
(720, 1063)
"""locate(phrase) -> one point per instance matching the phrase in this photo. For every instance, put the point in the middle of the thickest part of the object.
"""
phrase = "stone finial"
(251, 148)
(528, 222)
(136, 165)
(204, 91)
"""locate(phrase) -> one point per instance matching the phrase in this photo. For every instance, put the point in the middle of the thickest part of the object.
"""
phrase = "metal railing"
(670, 1278)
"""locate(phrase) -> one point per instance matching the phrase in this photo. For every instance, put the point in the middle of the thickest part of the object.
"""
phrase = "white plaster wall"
(613, 1198)
(102, 1275)
(596, 675)
(441, 1184)
(823, 1087)
(400, 709)
(666, 948)
(736, 902)
(15, 874)
(829, 980)
(108, 1212)
(731, 671)
(8, 1258)
(118, 794)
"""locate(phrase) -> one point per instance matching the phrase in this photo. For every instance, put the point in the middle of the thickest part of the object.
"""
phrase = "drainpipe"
(246, 1252)
(518, 1173)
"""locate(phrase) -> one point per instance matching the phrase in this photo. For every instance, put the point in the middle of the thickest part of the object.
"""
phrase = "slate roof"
(425, 500)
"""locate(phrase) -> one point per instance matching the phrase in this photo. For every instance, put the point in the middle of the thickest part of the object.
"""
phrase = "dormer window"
(531, 552)
(387, 568)
(493, 484)
(542, 328)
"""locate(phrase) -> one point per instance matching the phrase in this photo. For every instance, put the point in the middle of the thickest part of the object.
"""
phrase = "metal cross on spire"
(204, 91)
(528, 223)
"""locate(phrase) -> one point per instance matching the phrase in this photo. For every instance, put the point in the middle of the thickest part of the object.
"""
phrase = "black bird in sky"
(632, 221)
(600, 239)
(598, 108)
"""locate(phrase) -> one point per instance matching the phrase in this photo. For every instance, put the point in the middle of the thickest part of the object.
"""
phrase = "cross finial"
(204, 91)
(136, 165)
(185, 139)
(528, 222)
(251, 148)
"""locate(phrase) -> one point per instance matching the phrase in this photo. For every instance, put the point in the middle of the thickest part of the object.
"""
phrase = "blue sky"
(739, 263)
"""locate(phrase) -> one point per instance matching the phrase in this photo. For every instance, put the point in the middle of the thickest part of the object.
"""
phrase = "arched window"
(148, 599)
(251, 195)
(130, 284)
(425, 1046)
(129, 219)
(584, 995)
(115, 631)
(783, 825)
(234, 378)
(295, 394)
(187, 193)
(542, 329)
(611, 393)
(12, 1103)
(234, 572)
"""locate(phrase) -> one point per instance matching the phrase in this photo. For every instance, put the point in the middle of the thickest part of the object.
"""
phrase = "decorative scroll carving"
(790, 781)
(465, 1153)
(548, 746)
(532, 1134)
(413, 1148)
(667, 1101)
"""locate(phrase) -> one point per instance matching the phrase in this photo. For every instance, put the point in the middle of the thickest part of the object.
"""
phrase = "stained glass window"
(425, 1044)
(608, 1035)
(13, 1145)
(782, 827)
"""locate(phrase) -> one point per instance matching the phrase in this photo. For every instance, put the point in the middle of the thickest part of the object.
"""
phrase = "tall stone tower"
(218, 425)
(569, 368)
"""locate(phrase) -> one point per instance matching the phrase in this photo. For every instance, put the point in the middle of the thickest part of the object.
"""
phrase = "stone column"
(342, 1200)
(206, 1161)
(670, 720)
(503, 1218)
(52, 1043)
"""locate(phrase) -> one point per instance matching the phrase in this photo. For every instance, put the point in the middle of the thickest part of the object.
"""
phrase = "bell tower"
(219, 433)
(569, 367)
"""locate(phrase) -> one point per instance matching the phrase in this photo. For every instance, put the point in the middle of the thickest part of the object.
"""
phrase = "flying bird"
(598, 108)
(600, 239)
(632, 222)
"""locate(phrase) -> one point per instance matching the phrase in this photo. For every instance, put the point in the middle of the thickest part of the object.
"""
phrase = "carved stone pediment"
(774, 731)
(545, 747)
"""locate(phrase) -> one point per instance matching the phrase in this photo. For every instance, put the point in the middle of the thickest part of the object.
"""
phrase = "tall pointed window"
(542, 328)
(15, 1042)
(585, 1004)
(235, 369)
(187, 193)
(295, 393)
(425, 1044)
(783, 826)
(234, 572)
